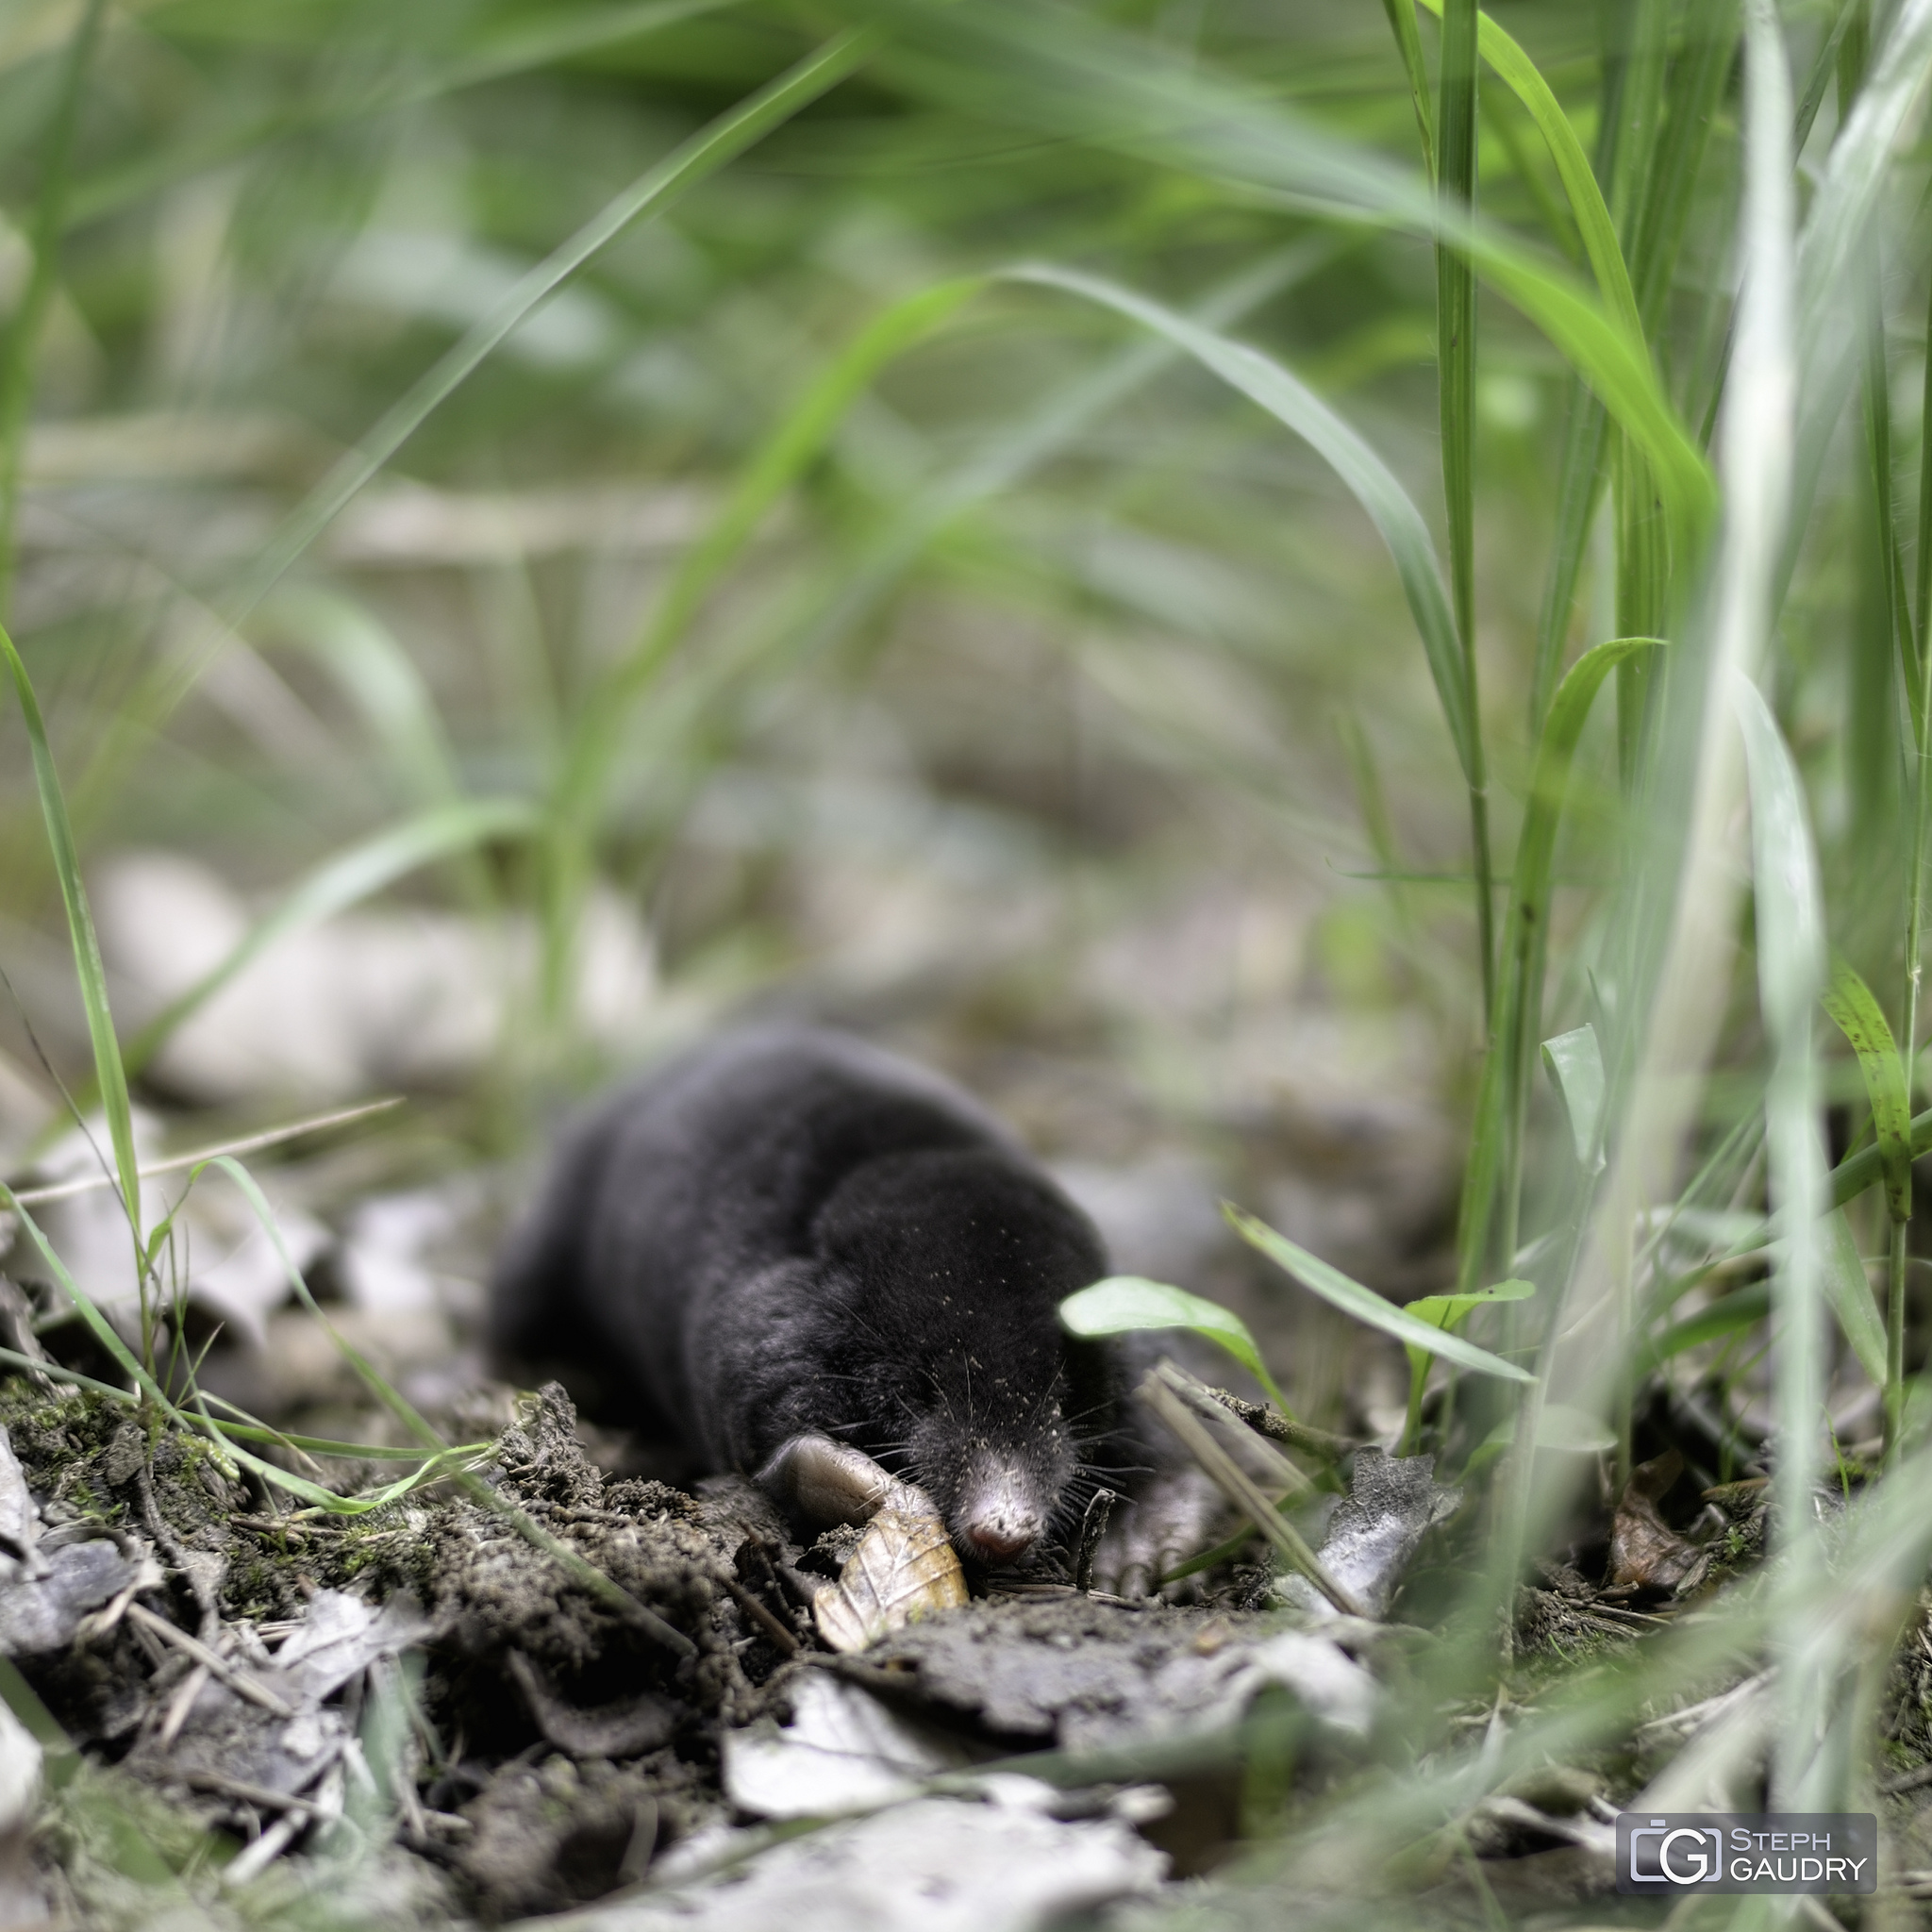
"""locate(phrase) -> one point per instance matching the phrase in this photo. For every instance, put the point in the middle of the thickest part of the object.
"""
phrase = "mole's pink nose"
(998, 1542)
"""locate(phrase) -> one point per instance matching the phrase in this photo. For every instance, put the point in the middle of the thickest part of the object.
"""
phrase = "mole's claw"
(827, 1482)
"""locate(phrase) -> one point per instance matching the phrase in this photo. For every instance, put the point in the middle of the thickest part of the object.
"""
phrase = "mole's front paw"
(1154, 1532)
(825, 1482)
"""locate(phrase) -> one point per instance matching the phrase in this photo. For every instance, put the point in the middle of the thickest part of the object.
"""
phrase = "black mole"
(788, 1232)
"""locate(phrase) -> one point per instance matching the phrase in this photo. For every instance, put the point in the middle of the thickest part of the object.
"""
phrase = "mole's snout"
(996, 1543)
(998, 1520)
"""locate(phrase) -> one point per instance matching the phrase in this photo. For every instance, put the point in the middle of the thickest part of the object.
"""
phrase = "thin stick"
(250, 1143)
(1235, 1483)
(760, 1616)
(237, 1681)
(250, 1794)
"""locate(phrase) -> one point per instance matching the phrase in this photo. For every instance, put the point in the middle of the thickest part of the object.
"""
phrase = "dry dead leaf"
(903, 1567)
(1645, 1549)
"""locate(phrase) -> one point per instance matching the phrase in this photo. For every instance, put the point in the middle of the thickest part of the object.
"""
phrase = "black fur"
(788, 1231)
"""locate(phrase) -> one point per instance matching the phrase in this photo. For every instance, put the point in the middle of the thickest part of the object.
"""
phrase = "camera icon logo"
(1678, 1856)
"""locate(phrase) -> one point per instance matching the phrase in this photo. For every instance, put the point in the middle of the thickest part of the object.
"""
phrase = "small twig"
(760, 1615)
(256, 1859)
(1093, 1533)
(247, 1793)
(1274, 1467)
(237, 1681)
(1907, 1781)
(1266, 1420)
(1241, 1489)
(181, 1703)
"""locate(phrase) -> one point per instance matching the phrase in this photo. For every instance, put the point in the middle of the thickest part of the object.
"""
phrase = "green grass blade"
(1130, 1303)
(1578, 489)
(339, 883)
(1923, 586)
(1450, 1311)
(1456, 325)
(110, 1073)
(1519, 73)
(1408, 43)
(1493, 1176)
(1364, 1303)
(1741, 1309)
(1857, 1016)
(1699, 70)
(1370, 481)
(97, 1324)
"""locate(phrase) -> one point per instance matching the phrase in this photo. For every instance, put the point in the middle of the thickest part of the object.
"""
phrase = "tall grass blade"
(1694, 91)
(1790, 925)
(1493, 1176)
(111, 1075)
(1455, 185)
(1408, 43)
(1790, 975)
(1519, 73)
(1685, 991)
(1370, 481)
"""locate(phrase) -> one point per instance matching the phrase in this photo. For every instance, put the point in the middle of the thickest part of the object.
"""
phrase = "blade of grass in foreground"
(1756, 460)
(1408, 43)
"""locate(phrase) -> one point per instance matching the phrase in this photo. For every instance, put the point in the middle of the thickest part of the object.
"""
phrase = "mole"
(789, 1245)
